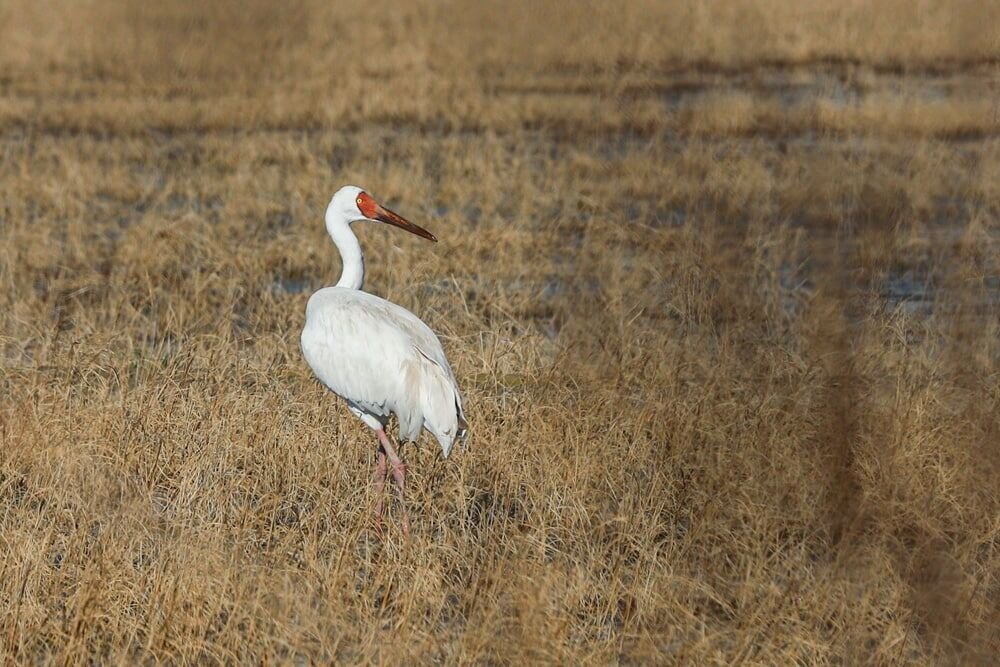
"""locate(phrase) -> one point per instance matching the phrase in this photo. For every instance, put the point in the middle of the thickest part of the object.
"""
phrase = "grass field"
(720, 282)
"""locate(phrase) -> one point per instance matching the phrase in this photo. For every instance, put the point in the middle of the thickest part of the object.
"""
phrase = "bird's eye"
(359, 201)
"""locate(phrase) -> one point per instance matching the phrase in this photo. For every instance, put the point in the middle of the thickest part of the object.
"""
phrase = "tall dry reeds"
(719, 281)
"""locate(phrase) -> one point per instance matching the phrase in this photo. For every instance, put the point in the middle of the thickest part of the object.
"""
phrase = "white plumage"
(379, 357)
(382, 360)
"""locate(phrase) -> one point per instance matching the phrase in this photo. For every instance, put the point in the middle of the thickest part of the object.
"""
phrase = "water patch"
(794, 288)
(283, 285)
(908, 292)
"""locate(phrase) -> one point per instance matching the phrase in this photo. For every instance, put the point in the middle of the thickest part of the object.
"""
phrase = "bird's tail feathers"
(441, 407)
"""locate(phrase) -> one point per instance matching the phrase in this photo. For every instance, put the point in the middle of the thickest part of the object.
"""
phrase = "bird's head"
(350, 204)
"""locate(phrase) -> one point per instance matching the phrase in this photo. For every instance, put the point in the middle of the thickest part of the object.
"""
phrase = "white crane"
(379, 357)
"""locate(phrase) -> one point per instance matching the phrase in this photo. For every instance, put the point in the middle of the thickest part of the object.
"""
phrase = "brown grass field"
(720, 282)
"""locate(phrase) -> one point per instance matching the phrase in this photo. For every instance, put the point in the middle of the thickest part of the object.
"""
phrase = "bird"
(376, 355)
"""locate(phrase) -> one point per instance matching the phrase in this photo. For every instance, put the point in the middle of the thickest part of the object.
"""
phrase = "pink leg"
(378, 479)
(398, 476)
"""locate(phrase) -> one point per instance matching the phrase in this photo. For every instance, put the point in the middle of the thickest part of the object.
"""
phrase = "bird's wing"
(366, 349)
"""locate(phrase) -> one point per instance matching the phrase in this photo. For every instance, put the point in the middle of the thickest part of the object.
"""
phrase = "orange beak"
(375, 211)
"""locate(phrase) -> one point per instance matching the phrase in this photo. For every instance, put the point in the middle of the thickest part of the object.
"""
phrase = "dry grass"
(720, 282)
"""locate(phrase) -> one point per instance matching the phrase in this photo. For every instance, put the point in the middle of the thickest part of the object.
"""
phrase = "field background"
(720, 282)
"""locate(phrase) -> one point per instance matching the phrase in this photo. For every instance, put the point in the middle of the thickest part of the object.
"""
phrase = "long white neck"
(353, 274)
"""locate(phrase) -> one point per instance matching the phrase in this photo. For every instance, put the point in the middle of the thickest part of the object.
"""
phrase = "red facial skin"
(367, 206)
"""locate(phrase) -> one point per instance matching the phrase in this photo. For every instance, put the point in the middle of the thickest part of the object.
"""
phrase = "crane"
(378, 356)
